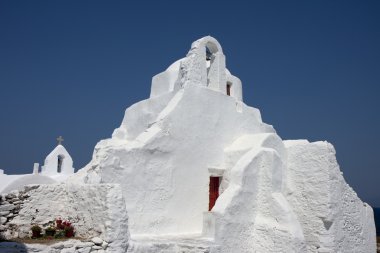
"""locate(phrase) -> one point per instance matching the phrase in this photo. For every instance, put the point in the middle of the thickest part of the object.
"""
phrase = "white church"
(194, 169)
(58, 166)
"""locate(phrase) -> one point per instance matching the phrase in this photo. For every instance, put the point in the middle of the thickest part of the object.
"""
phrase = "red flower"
(66, 226)
(59, 223)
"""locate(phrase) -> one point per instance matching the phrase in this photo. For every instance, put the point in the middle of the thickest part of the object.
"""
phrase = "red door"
(214, 191)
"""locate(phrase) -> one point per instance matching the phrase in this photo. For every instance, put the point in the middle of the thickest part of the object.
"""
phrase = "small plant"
(36, 231)
(58, 229)
(50, 231)
(59, 234)
(69, 229)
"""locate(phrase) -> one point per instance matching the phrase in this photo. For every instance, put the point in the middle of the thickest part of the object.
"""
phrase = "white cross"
(60, 140)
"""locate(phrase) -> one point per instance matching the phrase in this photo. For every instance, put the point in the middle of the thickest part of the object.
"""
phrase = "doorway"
(214, 191)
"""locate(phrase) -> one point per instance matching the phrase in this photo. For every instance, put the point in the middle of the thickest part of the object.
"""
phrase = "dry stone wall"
(95, 211)
(10, 205)
(70, 246)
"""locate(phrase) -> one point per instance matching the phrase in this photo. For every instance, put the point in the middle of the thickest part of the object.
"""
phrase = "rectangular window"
(228, 89)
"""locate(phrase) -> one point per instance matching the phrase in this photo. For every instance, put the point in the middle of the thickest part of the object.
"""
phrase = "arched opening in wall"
(211, 49)
(60, 163)
(228, 88)
(209, 61)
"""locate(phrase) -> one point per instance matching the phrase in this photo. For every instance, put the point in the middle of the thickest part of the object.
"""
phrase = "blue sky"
(71, 68)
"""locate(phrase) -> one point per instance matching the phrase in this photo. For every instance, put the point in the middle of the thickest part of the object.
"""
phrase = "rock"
(30, 187)
(97, 241)
(6, 207)
(67, 250)
(68, 245)
(104, 245)
(13, 200)
(10, 215)
(4, 213)
(84, 245)
(96, 247)
(3, 220)
(15, 192)
(3, 228)
(57, 246)
(10, 196)
(84, 250)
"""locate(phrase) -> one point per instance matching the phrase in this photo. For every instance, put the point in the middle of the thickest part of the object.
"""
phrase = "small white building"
(58, 163)
(57, 167)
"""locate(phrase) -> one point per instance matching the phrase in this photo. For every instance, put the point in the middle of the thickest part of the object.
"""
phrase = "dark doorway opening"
(214, 191)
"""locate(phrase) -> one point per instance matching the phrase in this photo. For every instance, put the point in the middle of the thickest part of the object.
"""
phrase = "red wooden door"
(214, 191)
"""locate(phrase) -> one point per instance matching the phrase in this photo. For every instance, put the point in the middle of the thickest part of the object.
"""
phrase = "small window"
(228, 89)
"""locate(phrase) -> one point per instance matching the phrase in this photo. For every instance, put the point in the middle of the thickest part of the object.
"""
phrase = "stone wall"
(10, 205)
(96, 245)
(94, 211)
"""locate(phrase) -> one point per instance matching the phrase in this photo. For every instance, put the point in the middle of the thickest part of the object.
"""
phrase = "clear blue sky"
(71, 68)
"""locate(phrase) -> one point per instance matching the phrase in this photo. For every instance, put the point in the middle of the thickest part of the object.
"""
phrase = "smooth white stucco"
(275, 196)
(17, 182)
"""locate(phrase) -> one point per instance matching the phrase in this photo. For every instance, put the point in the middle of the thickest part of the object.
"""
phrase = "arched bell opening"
(211, 50)
(60, 163)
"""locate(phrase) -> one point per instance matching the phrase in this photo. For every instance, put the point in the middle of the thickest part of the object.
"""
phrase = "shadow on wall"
(376, 212)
